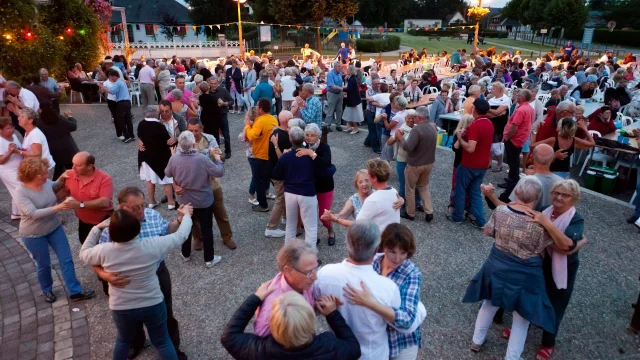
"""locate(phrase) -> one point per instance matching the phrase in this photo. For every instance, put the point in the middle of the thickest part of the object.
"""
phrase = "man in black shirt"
(279, 142)
(222, 99)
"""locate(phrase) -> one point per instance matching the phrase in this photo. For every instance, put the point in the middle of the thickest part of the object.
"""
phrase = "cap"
(481, 105)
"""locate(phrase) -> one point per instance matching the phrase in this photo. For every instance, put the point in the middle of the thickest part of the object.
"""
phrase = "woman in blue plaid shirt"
(399, 245)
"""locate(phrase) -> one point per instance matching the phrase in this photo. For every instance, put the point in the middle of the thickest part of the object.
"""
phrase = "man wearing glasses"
(152, 224)
(298, 265)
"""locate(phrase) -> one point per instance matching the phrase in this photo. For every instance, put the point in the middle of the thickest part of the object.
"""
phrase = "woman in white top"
(164, 80)
(34, 143)
(9, 161)
(289, 84)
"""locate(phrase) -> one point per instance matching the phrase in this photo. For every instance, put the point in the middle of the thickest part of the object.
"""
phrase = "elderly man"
(147, 78)
(307, 106)
(17, 98)
(204, 144)
(298, 267)
(421, 155)
(363, 238)
(476, 156)
(279, 143)
(54, 89)
(222, 98)
(190, 171)
(516, 133)
(549, 128)
(123, 105)
(187, 96)
(152, 224)
(334, 96)
(91, 190)
(258, 134)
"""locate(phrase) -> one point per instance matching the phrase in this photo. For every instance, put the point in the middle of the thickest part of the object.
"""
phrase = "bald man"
(543, 156)
(277, 145)
(91, 190)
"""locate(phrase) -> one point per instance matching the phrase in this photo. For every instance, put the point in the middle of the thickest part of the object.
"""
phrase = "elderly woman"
(195, 86)
(584, 92)
(9, 161)
(513, 269)
(233, 81)
(158, 137)
(392, 118)
(554, 100)
(461, 130)
(293, 325)
(79, 73)
(401, 157)
(499, 115)
(248, 83)
(467, 105)
(35, 143)
(179, 108)
(565, 143)
(136, 259)
(298, 170)
(40, 226)
(353, 113)
(398, 245)
(321, 154)
(57, 128)
(190, 171)
(441, 105)
(164, 80)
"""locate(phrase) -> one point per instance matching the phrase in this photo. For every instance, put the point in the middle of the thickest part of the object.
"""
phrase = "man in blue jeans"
(476, 155)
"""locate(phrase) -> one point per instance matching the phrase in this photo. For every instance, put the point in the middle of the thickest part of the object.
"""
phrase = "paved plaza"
(448, 256)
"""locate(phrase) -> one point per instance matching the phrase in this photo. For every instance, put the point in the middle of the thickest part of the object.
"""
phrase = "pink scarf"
(558, 260)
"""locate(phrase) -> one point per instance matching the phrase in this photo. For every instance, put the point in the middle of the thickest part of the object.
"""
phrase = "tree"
(557, 10)
(621, 12)
(205, 12)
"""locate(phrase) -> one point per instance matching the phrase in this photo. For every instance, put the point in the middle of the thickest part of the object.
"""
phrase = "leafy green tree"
(566, 13)
(621, 11)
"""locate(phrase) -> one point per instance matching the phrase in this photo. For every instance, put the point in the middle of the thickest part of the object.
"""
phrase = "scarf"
(558, 260)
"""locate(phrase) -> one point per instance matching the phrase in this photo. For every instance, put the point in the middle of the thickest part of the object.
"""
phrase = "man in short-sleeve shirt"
(516, 133)
(476, 155)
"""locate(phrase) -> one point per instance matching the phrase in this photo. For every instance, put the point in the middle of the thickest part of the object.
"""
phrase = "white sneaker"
(354, 132)
(185, 259)
(121, 138)
(216, 259)
(254, 202)
(152, 206)
(232, 111)
(346, 129)
(276, 233)
(271, 196)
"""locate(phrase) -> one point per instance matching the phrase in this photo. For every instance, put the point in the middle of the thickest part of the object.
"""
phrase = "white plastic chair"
(595, 156)
(134, 91)
(425, 90)
(434, 90)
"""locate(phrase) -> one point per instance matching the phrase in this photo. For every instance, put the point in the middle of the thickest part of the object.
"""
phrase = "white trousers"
(10, 180)
(307, 207)
(247, 98)
(519, 329)
(235, 95)
(410, 353)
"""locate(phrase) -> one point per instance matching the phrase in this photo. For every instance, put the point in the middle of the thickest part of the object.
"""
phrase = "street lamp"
(240, 28)
(477, 12)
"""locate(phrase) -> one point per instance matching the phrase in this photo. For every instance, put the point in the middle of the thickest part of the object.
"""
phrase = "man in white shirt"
(18, 98)
(363, 237)
(147, 77)
(288, 87)
(379, 206)
(570, 80)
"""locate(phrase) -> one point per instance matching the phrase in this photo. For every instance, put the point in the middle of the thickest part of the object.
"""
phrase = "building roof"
(150, 11)
(510, 22)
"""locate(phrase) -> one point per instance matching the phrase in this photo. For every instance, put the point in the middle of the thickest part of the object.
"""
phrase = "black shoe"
(128, 140)
(85, 295)
(338, 128)
(227, 156)
(476, 225)
(428, 217)
(181, 355)
(420, 208)
(405, 215)
(49, 297)
(632, 219)
(331, 240)
(378, 152)
(133, 353)
(164, 200)
(450, 217)
(329, 129)
(503, 185)
(259, 208)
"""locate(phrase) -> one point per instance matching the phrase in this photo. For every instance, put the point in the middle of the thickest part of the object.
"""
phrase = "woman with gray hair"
(190, 171)
(157, 141)
(512, 276)
(164, 80)
(353, 113)
(392, 118)
(178, 107)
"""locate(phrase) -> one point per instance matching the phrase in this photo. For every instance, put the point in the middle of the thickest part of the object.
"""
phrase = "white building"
(421, 23)
(455, 18)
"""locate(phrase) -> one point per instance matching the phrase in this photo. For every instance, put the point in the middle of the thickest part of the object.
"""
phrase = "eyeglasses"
(308, 274)
(137, 208)
(560, 194)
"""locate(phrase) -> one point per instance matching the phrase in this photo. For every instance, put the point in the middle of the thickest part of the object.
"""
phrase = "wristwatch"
(82, 205)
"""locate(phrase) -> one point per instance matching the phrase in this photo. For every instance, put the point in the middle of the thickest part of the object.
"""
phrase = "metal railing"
(177, 44)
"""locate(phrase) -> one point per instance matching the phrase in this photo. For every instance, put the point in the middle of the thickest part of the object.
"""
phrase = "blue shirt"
(568, 49)
(343, 53)
(409, 279)
(263, 90)
(312, 112)
(334, 78)
(50, 84)
(298, 174)
(153, 224)
(120, 91)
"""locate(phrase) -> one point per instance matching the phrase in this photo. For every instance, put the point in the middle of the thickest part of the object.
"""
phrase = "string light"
(29, 35)
(7, 36)
(69, 31)
(61, 37)
(82, 31)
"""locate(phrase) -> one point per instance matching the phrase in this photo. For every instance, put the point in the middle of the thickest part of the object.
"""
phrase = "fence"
(554, 42)
(291, 44)
(182, 49)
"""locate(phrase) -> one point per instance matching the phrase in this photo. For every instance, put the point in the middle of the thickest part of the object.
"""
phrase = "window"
(148, 28)
(130, 32)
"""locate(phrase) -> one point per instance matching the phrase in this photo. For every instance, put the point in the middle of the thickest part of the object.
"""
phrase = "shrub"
(604, 36)
(378, 44)
(451, 32)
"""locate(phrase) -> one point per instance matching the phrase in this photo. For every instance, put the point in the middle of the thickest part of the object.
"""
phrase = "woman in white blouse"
(34, 143)
(9, 161)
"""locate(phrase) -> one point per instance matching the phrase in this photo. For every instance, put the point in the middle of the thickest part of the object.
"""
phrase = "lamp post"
(478, 12)
(240, 28)
(475, 39)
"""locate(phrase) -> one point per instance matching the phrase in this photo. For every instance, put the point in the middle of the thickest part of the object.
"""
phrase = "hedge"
(452, 32)
(604, 36)
(378, 44)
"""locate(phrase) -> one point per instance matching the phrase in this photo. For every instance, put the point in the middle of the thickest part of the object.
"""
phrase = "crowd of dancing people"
(371, 300)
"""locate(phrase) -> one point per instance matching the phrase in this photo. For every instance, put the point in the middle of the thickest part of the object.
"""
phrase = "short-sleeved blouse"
(516, 234)
(357, 203)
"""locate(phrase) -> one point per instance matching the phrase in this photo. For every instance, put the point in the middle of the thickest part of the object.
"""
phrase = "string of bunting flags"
(203, 27)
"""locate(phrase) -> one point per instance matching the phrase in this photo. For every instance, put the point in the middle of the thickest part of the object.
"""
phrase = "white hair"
(528, 189)
(186, 140)
(313, 127)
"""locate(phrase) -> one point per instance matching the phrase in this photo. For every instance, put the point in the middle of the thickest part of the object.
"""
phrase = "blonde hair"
(363, 172)
(571, 186)
(292, 321)
(474, 90)
(465, 122)
(499, 85)
(31, 167)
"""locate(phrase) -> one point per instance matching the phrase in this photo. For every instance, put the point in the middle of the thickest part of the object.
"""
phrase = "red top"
(523, 117)
(98, 186)
(480, 131)
(179, 68)
(598, 125)
(549, 127)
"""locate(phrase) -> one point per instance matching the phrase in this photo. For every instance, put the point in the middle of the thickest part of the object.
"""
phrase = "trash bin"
(601, 179)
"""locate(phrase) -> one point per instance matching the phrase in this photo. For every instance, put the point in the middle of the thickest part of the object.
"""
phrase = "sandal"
(506, 334)
(544, 352)
(498, 169)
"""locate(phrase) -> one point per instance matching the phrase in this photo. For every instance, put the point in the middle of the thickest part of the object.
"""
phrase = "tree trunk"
(319, 39)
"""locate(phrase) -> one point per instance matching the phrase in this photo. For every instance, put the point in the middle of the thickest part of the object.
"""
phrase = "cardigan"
(157, 153)
(324, 182)
(62, 147)
(236, 77)
(353, 92)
